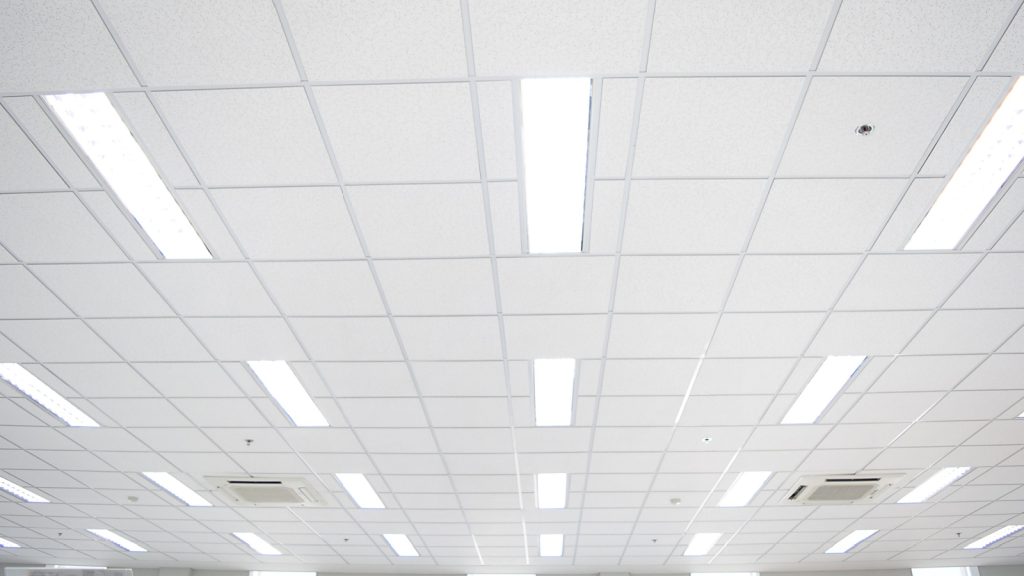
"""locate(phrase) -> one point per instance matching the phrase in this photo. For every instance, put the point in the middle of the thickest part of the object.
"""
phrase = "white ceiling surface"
(353, 167)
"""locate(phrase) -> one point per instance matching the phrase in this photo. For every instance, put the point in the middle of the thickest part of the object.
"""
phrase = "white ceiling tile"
(560, 37)
(347, 338)
(421, 220)
(27, 111)
(26, 297)
(225, 412)
(673, 283)
(56, 45)
(971, 116)
(384, 412)
(118, 224)
(322, 288)
(498, 129)
(210, 289)
(247, 338)
(103, 380)
(437, 287)
(568, 336)
(1015, 344)
(906, 114)
(660, 335)
(764, 334)
(606, 216)
(544, 285)
(57, 340)
(730, 126)
(188, 379)
(466, 338)
(905, 281)
(397, 440)
(790, 283)
(966, 331)
(103, 289)
(938, 433)
(911, 210)
(22, 167)
(736, 36)
(789, 436)
(53, 227)
(974, 405)
(469, 378)
(870, 333)
(373, 379)
(913, 373)
(935, 36)
(618, 97)
(687, 216)
(646, 377)
(142, 412)
(150, 339)
(208, 223)
(991, 284)
(741, 376)
(719, 410)
(174, 44)
(506, 226)
(891, 407)
(264, 136)
(401, 132)
(996, 372)
(468, 413)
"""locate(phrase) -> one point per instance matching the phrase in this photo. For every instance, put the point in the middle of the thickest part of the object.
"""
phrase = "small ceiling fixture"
(865, 129)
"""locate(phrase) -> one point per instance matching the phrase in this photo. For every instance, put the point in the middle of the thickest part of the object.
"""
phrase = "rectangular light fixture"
(45, 396)
(358, 487)
(177, 488)
(830, 378)
(553, 380)
(276, 573)
(702, 543)
(551, 489)
(259, 545)
(725, 574)
(556, 126)
(991, 160)
(117, 539)
(104, 137)
(945, 571)
(401, 544)
(743, 489)
(849, 541)
(932, 485)
(551, 545)
(986, 541)
(281, 383)
(19, 492)
(5, 543)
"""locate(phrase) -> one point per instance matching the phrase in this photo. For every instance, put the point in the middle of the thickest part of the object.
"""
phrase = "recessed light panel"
(20, 492)
(358, 487)
(401, 544)
(551, 489)
(43, 395)
(5, 543)
(990, 539)
(259, 545)
(932, 485)
(945, 571)
(702, 543)
(553, 390)
(117, 539)
(991, 160)
(830, 378)
(725, 574)
(177, 488)
(279, 380)
(551, 545)
(850, 541)
(556, 125)
(101, 133)
(743, 489)
(277, 573)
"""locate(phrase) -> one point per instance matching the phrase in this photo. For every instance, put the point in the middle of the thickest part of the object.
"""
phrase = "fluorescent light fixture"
(743, 489)
(177, 488)
(551, 545)
(556, 125)
(986, 541)
(551, 489)
(552, 390)
(43, 395)
(279, 380)
(702, 543)
(358, 487)
(275, 573)
(946, 571)
(101, 133)
(931, 486)
(830, 378)
(501, 574)
(725, 574)
(77, 567)
(5, 543)
(259, 545)
(117, 539)
(19, 492)
(401, 544)
(849, 541)
(991, 160)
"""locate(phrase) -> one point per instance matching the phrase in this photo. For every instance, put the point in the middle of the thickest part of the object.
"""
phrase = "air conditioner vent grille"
(267, 491)
(840, 489)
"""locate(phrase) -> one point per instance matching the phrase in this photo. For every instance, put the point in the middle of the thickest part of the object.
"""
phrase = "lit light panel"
(830, 378)
(934, 484)
(551, 489)
(990, 539)
(850, 541)
(117, 539)
(551, 545)
(553, 380)
(34, 388)
(259, 545)
(360, 490)
(401, 544)
(702, 543)
(5, 543)
(282, 384)
(177, 489)
(21, 492)
(743, 489)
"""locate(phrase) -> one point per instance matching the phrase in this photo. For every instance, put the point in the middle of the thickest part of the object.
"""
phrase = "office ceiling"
(354, 168)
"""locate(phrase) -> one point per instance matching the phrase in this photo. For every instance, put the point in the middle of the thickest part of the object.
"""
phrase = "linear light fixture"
(177, 488)
(5, 543)
(45, 396)
(945, 571)
(702, 543)
(743, 489)
(990, 539)
(259, 545)
(556, 125)
(281, 383)
(77, 567)
(401, 544)
(551, 489)
(551, 545)
(991, 160)
(277, 573)
(725, 574)
(117, 539)
(553, 380)
(830, 378)
(932, 485)
(849, 541)
(20, 492)
(358, 487)
(104, 137)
